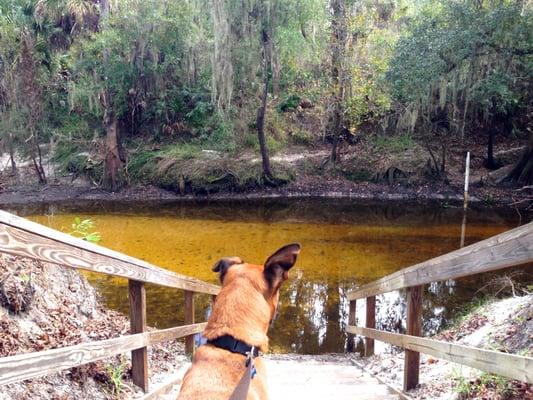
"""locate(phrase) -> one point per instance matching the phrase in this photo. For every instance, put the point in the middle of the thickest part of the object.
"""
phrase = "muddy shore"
(333, 189)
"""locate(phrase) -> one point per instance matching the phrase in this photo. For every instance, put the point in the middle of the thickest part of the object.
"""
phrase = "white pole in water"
(465, 205)
(467, 176)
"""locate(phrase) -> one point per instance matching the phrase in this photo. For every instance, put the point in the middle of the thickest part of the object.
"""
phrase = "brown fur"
(243, 309)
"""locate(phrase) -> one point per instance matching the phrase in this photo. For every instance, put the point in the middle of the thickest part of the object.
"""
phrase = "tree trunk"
(490, 150)
(113, 178)
(338, 27)
(12, 154)
(260, 122)
(522, 172)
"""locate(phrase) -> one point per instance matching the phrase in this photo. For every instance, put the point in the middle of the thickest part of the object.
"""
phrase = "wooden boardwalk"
(317, 380)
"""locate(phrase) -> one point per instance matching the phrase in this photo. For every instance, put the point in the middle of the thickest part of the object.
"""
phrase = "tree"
(265, 35)
(335, 123)
(522, 171)
(465, 68)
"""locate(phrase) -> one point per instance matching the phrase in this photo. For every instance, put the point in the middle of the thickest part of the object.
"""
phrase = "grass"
(486, 385)
(474, 307)
(116, 375)
(184, 168)
(393, 144)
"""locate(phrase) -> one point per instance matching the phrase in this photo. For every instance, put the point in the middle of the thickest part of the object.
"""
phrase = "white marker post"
(465, 205)
(467, 176)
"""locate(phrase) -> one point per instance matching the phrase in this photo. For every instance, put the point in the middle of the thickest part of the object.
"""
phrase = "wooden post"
(370, 323)
(414, 328)
(351, 321)
(189, 319)
(139, 357)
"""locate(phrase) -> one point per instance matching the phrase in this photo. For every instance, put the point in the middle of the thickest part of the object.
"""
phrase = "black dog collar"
(229, 343)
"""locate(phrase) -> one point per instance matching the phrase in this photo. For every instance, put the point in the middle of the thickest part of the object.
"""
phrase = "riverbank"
(370, 170)
(60, 191)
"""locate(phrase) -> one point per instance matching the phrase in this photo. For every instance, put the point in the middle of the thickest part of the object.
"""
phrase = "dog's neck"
(240, 311)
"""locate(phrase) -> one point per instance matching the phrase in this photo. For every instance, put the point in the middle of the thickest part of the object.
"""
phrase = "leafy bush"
(290, 103)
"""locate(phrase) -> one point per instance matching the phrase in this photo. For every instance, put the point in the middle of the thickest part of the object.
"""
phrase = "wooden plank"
(31, 365)
(505, 250)
(189, 319)
(370, 323)
(351, 321)
(411, 368)
(139, 357)
(165, 335)
(495, 362)
(40, 243)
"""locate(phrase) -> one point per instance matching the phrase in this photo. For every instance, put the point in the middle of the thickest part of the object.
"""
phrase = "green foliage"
(83, 230)
(393, 144)
(290, 103)
(116, 377)
(462, 384)
(469, 60)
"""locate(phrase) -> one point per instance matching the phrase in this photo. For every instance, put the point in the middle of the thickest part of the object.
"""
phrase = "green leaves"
(82, 229)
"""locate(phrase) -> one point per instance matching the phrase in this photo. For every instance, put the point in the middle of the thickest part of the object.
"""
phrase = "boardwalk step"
(315, 380)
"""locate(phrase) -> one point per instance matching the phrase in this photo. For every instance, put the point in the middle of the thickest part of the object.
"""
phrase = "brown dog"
(241, 313)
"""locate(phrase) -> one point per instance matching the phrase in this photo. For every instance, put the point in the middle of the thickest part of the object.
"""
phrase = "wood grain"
(508, 365)
(24, 238)
(32, 365)
(411, 368)
(139, 357)
(505, 250)
(189, 319)
(370, 323)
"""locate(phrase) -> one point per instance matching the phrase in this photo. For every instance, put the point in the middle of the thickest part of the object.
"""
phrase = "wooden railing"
(20, 237)
(508, 249)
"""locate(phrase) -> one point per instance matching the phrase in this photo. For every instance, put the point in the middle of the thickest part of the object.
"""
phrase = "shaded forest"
(129, 91)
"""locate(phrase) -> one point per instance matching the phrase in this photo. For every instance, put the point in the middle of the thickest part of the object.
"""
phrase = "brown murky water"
(345, 244)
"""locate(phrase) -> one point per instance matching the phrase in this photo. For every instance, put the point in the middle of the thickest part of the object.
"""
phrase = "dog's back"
(242, 311)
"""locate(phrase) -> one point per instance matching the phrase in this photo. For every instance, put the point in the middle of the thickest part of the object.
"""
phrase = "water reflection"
(345, 244)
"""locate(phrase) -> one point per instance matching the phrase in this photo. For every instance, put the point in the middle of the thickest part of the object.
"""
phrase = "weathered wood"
(495, 362)
(414, 328)
(24, 238)
(139, 357)
(370, 323)
(505, 250)
(24, 366)
(351, 321)
(189, 320)
(165, 335)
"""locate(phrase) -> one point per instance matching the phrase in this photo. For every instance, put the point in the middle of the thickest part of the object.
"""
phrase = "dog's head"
(250, 293)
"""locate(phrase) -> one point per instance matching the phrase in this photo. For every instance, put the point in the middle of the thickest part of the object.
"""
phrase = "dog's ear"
(278, 264)
(223, 265)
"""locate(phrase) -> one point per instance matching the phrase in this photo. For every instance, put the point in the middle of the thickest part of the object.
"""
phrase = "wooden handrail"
(505, 250)
(31, 365)
(504, 364)
(24, 238)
